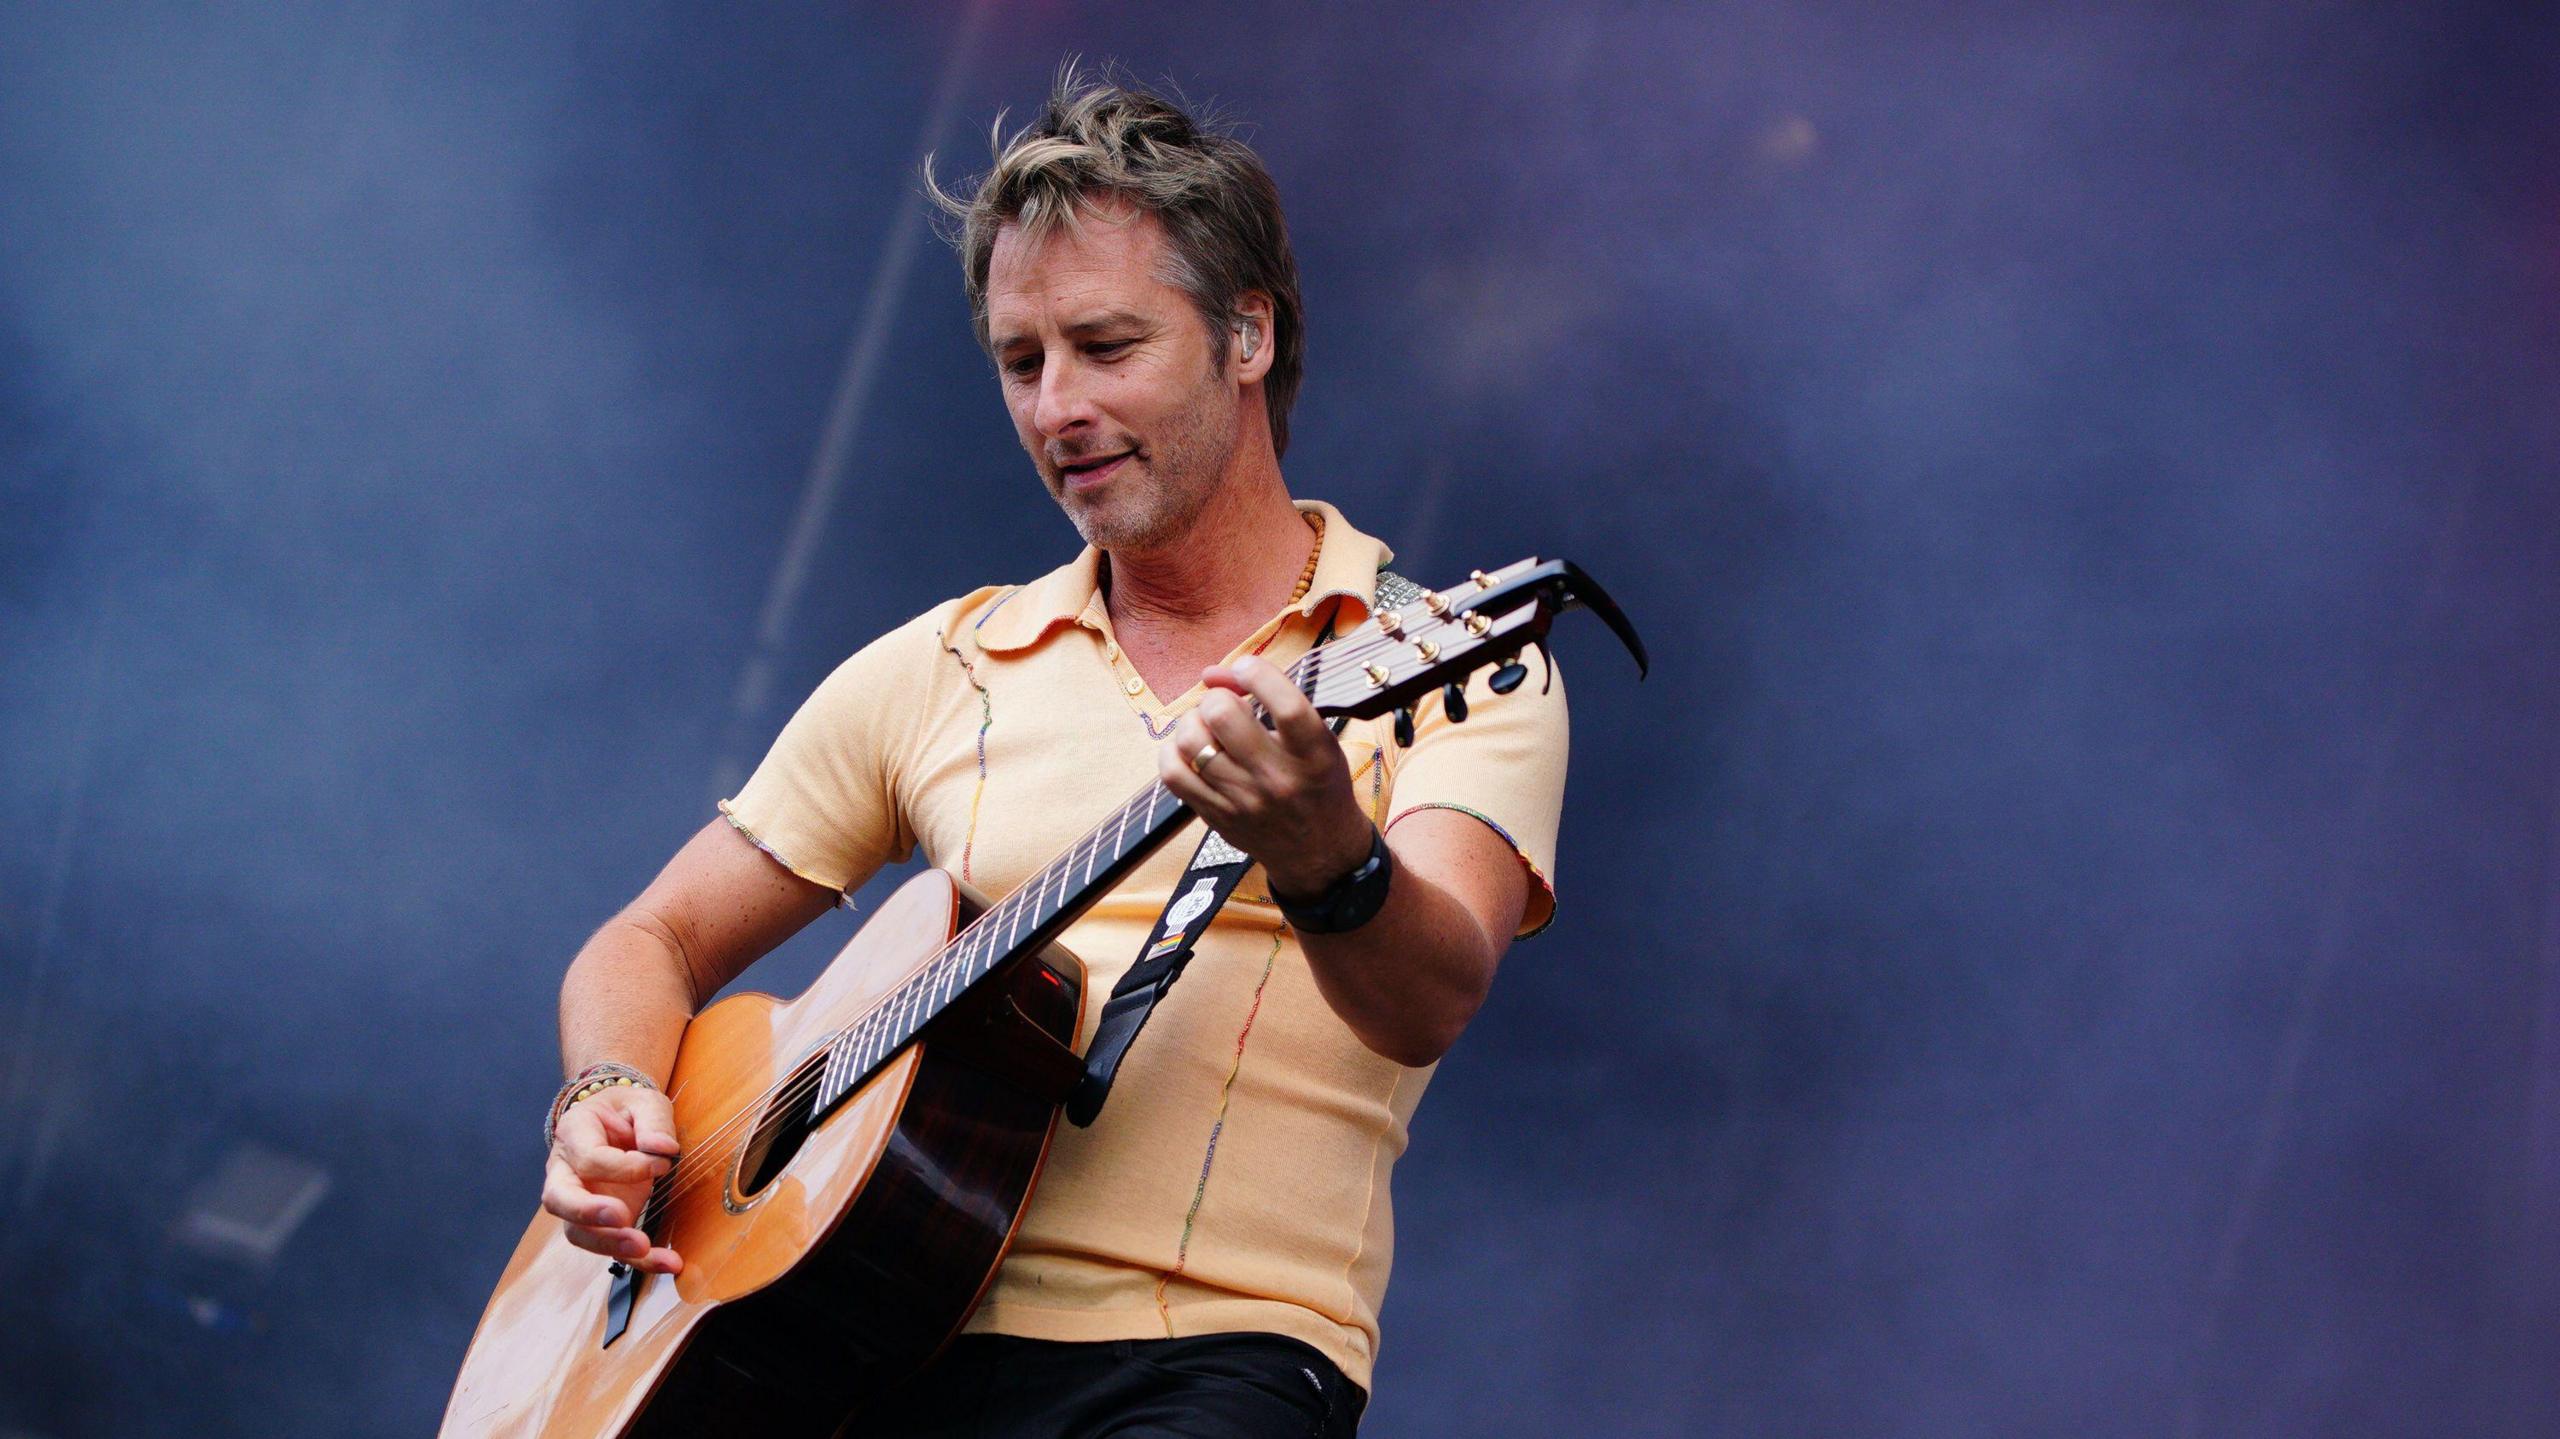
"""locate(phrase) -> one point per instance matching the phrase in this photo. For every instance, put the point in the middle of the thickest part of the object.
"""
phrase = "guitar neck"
(1388, 661)
(1023, 921)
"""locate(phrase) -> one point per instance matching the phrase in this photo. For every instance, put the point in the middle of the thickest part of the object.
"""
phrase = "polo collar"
(1347, 568)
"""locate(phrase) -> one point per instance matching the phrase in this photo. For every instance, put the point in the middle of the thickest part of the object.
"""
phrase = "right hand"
(606, 1152)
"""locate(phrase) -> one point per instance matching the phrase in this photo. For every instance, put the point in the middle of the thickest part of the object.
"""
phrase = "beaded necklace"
(1307, 576)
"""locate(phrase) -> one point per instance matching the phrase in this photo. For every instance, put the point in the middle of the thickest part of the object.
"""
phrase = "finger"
(1188, 734)
(1238, 735)
(584, 1125)
(566, 1197)
(605, 1164)
(628, 1245)
(1194, 784)
(1292, 717)
(602, 1150)
(612, 1116)
(1174, 772)
(627, 1118)
(563, 1195)
(636, 1119)
(653, 1123)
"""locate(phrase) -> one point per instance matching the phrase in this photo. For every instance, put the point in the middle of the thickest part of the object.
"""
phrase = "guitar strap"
(1216, 868)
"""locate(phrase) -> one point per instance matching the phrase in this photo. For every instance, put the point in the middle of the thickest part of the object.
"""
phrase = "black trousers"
(1216, 1386)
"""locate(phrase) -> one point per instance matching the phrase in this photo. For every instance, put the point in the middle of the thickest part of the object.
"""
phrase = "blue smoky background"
(2068, 942)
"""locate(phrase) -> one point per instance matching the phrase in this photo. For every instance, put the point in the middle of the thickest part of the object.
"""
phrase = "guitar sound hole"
(779, 1132)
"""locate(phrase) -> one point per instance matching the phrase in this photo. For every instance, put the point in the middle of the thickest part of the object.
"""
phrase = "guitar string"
(965, 947)
(712, 1152)
(855, 1051)
(938, 971)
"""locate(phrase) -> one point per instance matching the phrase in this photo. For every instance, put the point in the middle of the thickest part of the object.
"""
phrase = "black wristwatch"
(1347, 903)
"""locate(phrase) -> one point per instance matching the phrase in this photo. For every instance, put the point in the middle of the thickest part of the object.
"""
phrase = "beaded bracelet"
(590, 1081)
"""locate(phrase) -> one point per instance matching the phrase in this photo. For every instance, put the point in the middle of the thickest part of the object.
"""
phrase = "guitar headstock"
(1401, 654)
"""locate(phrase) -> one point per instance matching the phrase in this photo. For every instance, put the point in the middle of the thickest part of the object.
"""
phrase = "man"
(1209, 1256)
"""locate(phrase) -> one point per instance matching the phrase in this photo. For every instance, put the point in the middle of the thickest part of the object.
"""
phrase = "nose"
(1065, 402)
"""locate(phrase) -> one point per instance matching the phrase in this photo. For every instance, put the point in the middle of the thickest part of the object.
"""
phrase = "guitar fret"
(1120, 828)
(1014, 930)
(828, 1072)
(848, 1061)
(1001, 931)
(1053, 894)
(857, 1048)
(990, 937)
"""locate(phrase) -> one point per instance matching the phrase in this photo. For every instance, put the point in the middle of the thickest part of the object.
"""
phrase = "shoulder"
(899, 664)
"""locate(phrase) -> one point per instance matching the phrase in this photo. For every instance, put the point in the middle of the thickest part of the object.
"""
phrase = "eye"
(1023, 367)
(1107, 349)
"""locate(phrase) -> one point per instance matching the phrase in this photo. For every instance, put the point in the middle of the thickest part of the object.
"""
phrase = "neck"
(1238, 561)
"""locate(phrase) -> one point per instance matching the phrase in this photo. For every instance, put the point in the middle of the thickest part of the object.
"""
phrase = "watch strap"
(1349, 902)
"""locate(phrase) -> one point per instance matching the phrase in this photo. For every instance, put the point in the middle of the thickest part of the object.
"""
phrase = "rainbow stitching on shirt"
(1531, 865)
(1182, 1252)
(986, 721)
(1005, 599)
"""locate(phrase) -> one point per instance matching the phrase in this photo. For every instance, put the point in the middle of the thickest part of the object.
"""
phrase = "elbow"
(1414, 1051)
(658, 937)
(1419, 1040)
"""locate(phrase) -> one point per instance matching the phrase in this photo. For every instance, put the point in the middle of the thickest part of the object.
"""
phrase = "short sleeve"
(1504, 765)
(825, 803)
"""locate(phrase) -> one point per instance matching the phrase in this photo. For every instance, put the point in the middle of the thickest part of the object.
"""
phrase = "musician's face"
(1111, 378)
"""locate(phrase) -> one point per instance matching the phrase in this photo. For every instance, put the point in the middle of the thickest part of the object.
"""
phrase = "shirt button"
(1134, 684)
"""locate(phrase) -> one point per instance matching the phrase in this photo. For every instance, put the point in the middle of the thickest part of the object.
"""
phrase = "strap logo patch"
(1191, 906)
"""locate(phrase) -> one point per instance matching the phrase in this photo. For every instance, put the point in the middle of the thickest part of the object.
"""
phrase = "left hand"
(1282, 795)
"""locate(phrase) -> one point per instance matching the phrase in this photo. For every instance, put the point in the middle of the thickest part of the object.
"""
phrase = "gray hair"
(1097, 139)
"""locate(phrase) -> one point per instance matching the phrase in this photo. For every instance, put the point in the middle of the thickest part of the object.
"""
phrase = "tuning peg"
(1404, 728)
(1454, 700)
(1508, 678)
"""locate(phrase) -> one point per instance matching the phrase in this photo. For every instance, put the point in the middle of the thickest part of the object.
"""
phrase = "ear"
(1253, 320)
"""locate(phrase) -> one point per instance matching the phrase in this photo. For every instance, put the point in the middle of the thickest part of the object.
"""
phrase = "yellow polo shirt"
(1238, 1178)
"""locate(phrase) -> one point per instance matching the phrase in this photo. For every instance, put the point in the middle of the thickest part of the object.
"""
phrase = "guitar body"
(856, 1159)
(822, 1263)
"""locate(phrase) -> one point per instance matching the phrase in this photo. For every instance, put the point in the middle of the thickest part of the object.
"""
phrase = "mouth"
(1089, 473)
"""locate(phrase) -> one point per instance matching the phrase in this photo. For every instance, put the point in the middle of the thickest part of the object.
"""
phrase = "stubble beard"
(1182, 469)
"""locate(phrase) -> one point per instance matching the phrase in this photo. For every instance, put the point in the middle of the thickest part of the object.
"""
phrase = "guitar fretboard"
(1372, 668)
(1026, 919)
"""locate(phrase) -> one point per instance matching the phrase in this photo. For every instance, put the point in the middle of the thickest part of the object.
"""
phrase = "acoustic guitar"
(855, 1160)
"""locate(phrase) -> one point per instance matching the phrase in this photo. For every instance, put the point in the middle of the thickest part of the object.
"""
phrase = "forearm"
(716, 908)
(1407, 982)
(626, 998)
(1408, 979)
